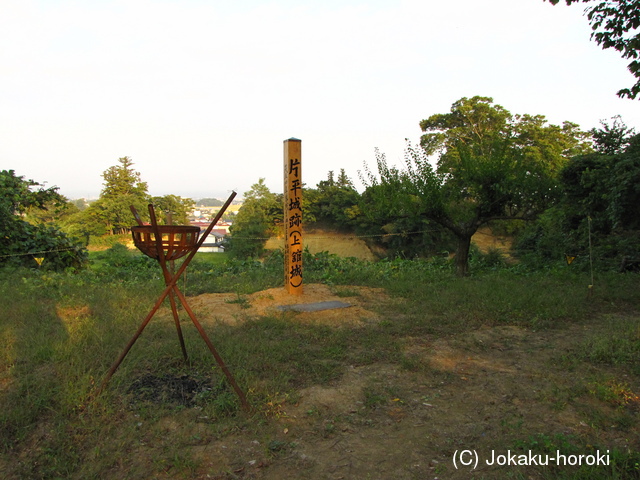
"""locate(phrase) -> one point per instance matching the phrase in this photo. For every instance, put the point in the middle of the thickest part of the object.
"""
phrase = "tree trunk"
(462, 255)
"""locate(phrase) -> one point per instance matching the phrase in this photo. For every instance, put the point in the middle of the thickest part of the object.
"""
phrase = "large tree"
(21, 242)
(614, 24)
(122, 188)
(490, 165)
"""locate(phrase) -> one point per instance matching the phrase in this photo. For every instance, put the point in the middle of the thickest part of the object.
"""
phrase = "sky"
(201, 94)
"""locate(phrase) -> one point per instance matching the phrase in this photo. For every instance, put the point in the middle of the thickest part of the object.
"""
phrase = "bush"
(42, 246)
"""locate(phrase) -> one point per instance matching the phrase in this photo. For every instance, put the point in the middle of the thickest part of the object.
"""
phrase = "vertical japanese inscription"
(293, 216)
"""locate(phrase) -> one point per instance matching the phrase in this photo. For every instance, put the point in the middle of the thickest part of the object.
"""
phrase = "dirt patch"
(486, 240)
(346, 245)
(231, 308)
(341, 244)
(486, 390)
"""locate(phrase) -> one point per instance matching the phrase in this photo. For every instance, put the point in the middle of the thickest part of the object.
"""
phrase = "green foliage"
(177, 207)
(491, 166)
(111, 213)
(255, 221)
(118, 262)
(22, 242)
(333, 203)
(217, 272)
(545, 241)
(619, 345)
(601, 200)
(614, 24)
(18, 197)
(122, 180)
(614, 138)
(108, 241)
(54, 211)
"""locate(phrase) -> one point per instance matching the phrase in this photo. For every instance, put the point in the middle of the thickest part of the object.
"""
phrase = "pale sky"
(201, 94)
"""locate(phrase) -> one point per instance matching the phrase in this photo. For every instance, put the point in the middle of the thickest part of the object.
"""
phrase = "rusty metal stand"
(157, 251)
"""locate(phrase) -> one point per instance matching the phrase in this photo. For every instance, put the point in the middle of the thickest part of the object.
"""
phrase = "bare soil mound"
(230, 308)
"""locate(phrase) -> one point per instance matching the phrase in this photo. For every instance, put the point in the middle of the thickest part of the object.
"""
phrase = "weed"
(617, 393)
(279, 447)
(373, 398)
(242, 301)
(512, 423)
(345, 292)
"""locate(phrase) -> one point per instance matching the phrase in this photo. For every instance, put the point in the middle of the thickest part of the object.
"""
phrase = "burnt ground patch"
(185, 390)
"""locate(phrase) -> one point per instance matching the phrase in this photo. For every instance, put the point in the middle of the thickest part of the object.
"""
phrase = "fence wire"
(307, 236)
(38, 253)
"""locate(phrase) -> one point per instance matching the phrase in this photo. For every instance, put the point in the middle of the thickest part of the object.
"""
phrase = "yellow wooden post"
(293, 216)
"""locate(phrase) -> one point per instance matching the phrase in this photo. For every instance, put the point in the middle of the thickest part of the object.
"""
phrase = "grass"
(615, 341)
(59, 334)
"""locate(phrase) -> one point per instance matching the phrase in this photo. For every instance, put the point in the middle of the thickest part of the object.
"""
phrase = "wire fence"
(307, 236)
(41, 252)
(346, 235)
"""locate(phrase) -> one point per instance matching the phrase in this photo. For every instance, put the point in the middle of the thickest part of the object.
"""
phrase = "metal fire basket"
(166, 243)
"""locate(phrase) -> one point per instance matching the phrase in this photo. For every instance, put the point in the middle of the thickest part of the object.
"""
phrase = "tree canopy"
(333, 202)
(255, 221)
(122, 188)
(613, 138)
(599, 205)
(491, 165)
(614, 23)
(121, 180)
(21, 242)
(174, 207)
(111, 213)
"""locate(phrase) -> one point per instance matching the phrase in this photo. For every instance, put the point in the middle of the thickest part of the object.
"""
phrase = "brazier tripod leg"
(212, 349)
(176, 319)
(169, 277)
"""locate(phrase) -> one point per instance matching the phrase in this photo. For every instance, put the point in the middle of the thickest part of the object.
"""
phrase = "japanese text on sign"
(293, 215)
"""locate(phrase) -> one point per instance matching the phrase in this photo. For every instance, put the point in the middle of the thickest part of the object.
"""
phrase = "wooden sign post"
(293, 216)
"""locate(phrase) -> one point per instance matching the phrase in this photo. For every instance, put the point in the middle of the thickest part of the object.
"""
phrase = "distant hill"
(209, 202)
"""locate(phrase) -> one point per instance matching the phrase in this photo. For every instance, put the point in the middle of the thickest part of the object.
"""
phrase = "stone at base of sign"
(313, 307)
